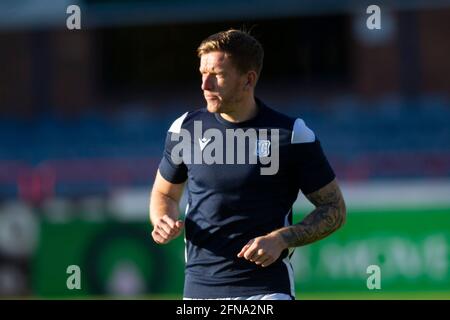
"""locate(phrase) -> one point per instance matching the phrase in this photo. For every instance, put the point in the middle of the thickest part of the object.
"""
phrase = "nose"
(207, 83)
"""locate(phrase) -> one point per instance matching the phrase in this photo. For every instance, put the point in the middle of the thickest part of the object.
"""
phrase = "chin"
(214, 107)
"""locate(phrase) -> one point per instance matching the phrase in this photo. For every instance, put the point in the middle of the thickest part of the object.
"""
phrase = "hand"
(263, 250)
(166, 229)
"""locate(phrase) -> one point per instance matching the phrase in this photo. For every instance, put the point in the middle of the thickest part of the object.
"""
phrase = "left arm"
(328, 216)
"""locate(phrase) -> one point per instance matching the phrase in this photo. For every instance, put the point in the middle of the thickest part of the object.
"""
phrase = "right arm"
(164, 212)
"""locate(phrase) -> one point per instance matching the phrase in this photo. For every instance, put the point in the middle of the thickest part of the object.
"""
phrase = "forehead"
(215, 60)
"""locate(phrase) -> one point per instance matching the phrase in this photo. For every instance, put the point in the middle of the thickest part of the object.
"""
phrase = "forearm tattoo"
(326, 218)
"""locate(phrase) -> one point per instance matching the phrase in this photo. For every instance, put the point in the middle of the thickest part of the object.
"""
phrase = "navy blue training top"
(231, 202)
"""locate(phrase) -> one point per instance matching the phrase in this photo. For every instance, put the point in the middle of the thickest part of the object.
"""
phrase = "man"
(238, 222)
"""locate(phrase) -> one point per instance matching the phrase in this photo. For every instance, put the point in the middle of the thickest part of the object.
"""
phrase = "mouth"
(211, 97)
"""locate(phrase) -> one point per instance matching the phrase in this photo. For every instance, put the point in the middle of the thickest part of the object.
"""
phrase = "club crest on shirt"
(262, 148)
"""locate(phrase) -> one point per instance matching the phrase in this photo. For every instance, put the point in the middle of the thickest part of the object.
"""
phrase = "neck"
(242, 111)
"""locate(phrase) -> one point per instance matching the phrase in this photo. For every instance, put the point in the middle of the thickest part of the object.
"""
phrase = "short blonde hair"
(244, 50)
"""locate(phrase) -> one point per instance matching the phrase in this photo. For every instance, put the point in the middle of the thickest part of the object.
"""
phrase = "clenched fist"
(166, 229)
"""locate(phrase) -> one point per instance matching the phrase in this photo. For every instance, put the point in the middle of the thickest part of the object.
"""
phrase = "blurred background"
(84, 113)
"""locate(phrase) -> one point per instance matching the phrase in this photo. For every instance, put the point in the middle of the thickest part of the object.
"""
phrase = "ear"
(251, 80)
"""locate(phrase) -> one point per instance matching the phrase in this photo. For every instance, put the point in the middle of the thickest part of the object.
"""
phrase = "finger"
(172, 228)
(177, 232)
(263, 261)
(163, 234)
(259, 256)
(157, 237)
(250, 254)
(245, 248)
(168, 220)
(164, 229)
(168, 233)
(168, 224)
(267, 263)
(179, 224)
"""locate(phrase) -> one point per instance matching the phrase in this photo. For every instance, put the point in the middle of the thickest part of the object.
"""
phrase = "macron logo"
(203, 142)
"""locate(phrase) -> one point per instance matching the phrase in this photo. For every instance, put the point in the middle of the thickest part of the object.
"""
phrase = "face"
(222, 84)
